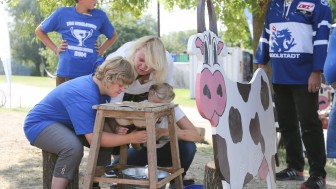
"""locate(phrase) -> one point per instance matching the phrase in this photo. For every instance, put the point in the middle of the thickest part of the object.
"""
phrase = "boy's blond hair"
(115, 70)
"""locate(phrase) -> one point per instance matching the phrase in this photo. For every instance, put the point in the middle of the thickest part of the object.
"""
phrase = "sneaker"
(110, 174)
(314, 182)
(113, 186)
(289, 174)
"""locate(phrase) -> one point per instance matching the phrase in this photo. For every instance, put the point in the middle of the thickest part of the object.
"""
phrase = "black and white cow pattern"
(241, 115)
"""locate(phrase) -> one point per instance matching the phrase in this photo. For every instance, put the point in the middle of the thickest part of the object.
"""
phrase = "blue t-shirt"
(69, 104)
(80, 32)
(330, 63)
(295, 39)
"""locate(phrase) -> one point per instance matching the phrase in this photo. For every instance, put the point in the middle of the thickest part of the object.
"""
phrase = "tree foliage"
(176, 42)
(229, 13)
(24, 48)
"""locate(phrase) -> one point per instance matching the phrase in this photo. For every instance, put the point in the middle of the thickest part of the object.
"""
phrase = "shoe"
(289, 174)
(110, 174)
(314, 182)
(187, 182)
(113, 186)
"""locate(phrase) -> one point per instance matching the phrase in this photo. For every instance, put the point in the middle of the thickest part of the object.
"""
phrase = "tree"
(176, 42)
(24, 47)
(130, 28)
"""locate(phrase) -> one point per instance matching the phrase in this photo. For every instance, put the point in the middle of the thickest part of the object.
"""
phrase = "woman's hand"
(161, 132)
(138, 136)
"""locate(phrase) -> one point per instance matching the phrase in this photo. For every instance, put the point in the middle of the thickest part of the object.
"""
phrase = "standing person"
(79, 27)
(330, 76)
(295, 39)
(186, 133)
(152, 64)
(63, 121)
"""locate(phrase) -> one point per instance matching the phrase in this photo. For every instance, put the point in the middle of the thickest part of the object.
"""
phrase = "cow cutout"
(241, 114)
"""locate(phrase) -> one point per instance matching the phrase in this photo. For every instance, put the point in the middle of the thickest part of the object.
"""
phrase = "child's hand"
(122, 130)
(62, 47)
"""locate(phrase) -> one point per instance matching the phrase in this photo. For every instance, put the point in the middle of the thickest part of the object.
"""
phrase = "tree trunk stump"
(211, 177)
(49, 160)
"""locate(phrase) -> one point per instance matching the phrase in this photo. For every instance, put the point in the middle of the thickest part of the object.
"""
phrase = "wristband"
(55, 50)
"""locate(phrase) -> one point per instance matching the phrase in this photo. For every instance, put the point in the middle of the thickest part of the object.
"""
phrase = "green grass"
(182, 96)
(43, 82)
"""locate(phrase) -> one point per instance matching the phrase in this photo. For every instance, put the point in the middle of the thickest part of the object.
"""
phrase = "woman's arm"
(186, 131)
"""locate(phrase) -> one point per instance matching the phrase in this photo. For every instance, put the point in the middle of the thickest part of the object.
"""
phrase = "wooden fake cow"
(241, 114)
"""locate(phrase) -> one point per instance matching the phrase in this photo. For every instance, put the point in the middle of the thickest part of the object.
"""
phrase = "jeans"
(297, 109)
(331, 132)
(139, 158)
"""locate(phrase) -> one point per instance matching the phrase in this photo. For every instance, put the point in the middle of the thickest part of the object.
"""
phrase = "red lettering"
(306, 6)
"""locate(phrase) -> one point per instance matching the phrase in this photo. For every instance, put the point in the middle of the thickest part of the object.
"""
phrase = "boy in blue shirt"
(79, 27)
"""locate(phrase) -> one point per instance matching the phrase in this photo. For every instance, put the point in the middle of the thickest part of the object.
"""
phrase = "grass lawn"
(182, 96)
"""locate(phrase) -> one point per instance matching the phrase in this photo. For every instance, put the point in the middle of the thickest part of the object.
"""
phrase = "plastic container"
(194, 186)
(141, 173)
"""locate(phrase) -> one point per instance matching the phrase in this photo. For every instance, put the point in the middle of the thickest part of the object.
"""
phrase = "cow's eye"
(219, 90)
(206, 91)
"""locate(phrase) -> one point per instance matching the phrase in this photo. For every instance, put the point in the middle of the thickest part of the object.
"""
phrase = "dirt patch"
(21, 163)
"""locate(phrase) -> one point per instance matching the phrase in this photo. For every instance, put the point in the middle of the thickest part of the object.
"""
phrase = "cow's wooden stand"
(148, 114)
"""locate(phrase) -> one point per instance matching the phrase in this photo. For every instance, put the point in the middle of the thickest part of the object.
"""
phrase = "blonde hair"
(114, 70)
(155, 55)
(163, 91)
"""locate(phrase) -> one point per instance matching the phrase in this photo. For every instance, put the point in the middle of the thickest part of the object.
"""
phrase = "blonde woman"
(151, 62)
(63, 121)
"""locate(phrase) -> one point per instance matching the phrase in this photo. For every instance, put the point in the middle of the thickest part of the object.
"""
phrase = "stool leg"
(94, 150)
(151, 149)
(174, 147)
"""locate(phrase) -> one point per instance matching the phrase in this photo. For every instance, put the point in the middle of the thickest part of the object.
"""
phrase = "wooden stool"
(148, 114)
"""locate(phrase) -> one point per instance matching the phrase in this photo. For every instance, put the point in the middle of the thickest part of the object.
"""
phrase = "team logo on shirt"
(81, 31)
(281, 42)
(305, 8)
(325, 2)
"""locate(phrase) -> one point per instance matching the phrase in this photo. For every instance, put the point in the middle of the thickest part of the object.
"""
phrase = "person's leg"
(135, 157)
(289, 126)
(331, 132)
(60, 140)
(187, 153)
(311, 128)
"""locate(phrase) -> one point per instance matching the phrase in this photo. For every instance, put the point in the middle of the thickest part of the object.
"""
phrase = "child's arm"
(107, 44)
(48, 42)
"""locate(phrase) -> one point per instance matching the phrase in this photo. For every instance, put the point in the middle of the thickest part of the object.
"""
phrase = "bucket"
(141, 173)
(194, 186)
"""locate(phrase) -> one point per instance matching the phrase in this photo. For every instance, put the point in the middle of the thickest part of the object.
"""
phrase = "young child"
(79, 27)
(187, 135)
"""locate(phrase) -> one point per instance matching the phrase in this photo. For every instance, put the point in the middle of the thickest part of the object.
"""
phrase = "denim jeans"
(139, 158)
(331, 133)
(297, 109)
